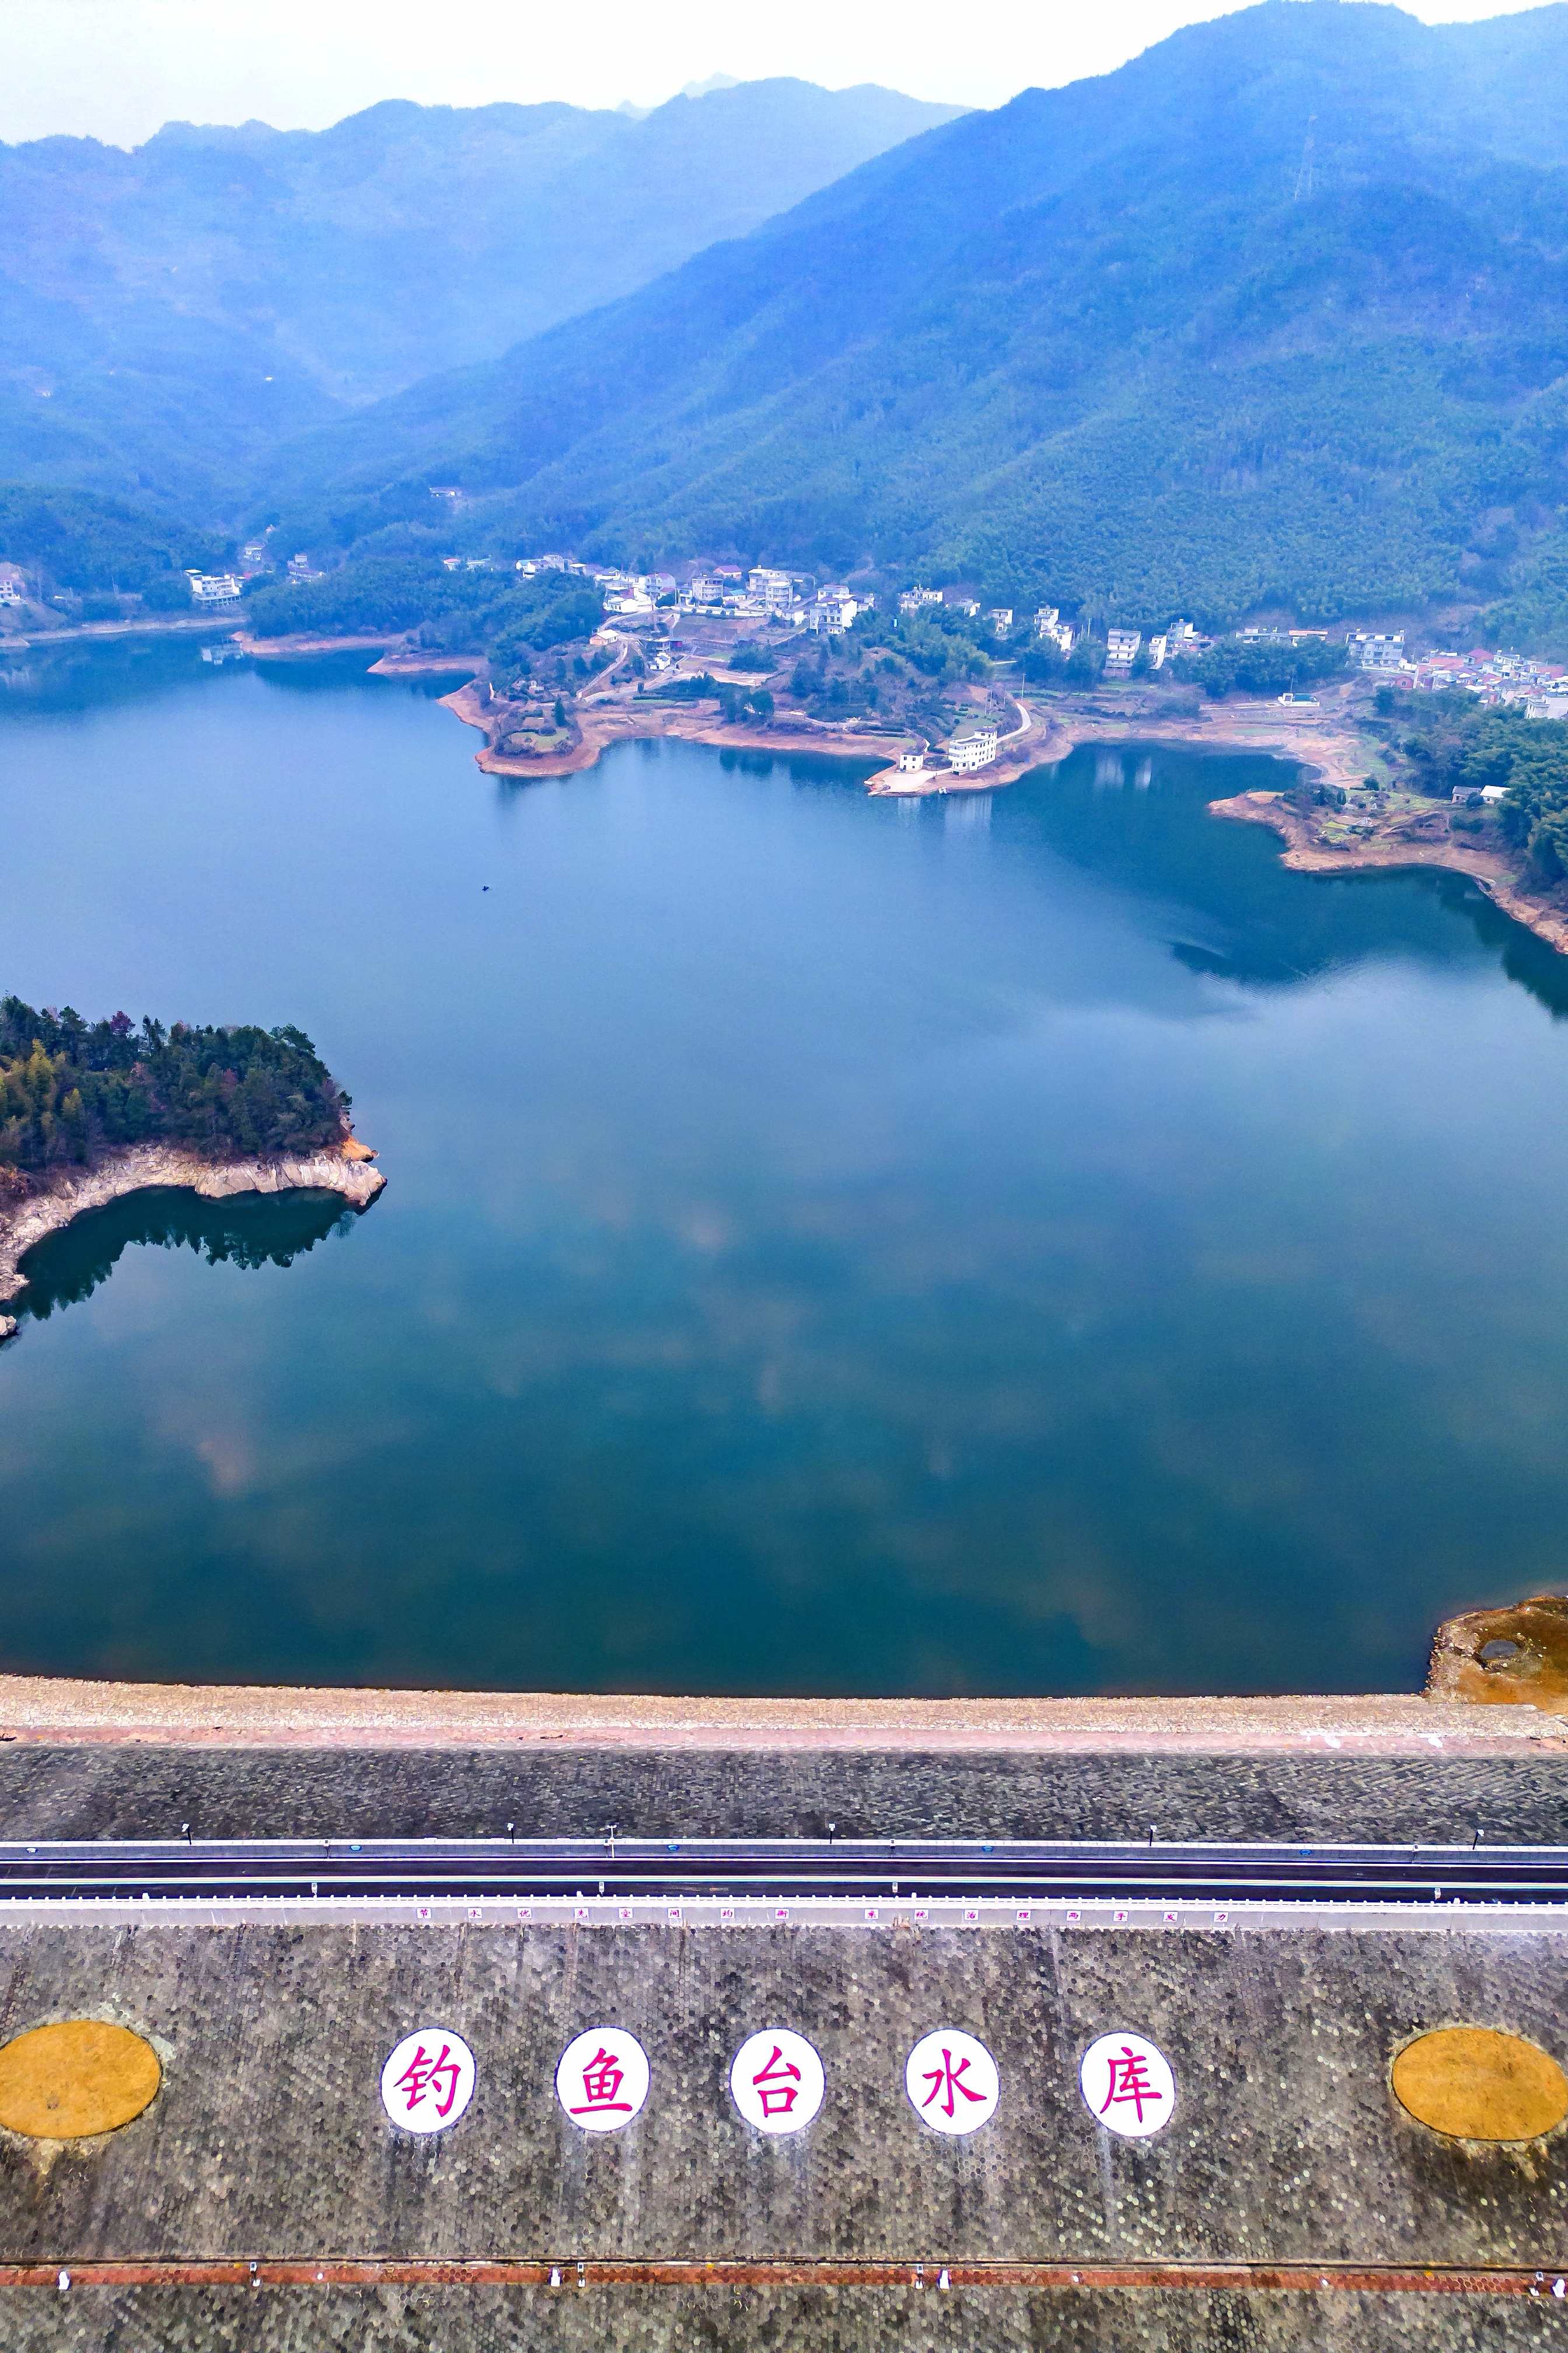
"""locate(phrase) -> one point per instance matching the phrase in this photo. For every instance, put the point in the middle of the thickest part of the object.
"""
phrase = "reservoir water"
(1021, 1242)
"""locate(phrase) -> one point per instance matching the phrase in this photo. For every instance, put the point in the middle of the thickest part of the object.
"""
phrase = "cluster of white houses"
(726, 592)
(1491, 676)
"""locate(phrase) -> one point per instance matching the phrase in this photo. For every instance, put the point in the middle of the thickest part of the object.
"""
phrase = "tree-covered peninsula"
(72, 1090)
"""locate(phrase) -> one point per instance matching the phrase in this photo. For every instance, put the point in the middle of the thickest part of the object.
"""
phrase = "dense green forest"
(70, 1088)
(509, 615)
(1127, 345)
(1265, 666)
(1461, 744)
(75, 541)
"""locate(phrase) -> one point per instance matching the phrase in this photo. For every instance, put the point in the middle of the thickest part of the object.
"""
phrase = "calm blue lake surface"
(1026, 1243)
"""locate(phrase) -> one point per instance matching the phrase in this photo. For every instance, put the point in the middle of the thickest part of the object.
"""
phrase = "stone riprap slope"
(141, 1788)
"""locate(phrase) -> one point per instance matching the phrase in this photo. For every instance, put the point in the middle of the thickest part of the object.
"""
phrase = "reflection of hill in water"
(251, 1229)
(1124, 812)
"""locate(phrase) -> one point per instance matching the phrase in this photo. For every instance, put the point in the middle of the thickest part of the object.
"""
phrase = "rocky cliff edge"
(54, 1199)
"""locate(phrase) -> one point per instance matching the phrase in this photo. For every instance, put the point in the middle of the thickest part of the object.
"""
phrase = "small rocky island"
(91, 1111)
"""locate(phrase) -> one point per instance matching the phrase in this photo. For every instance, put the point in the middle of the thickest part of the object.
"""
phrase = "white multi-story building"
(1122, 648)
(832, 613)
(773, 590)
(1159, 648)
(1000, 617)
(1373, 650)
(214, 587)
(974, 747)
(913, 599)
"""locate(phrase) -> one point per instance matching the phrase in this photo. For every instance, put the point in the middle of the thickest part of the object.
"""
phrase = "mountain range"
(168, 314)
(1273, 316)
(1277, 313)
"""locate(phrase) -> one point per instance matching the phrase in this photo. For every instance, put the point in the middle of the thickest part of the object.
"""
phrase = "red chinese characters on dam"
(428, 2081)
(776, 2080)
(1127, 2085)
(602, 2079)
(438, 2076)
(946, 2085)
(778, 2085)
(951, 2080)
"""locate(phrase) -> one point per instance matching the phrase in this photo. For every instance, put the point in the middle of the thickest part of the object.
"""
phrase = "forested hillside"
(1278, 311)
(68, 1088)
(71, 538)
(166, 315)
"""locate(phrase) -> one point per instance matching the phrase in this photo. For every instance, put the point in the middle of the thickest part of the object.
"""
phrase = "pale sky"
(117, 69)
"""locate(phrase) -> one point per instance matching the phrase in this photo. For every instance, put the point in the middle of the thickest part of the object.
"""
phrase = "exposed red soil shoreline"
(1494, 871)
(607, 723)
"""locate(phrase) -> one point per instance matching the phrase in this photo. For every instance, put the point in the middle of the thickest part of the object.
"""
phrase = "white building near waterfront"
(974, 747)
(213, 588)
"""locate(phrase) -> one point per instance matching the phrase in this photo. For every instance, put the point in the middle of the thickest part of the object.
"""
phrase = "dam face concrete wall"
(1286, 2144)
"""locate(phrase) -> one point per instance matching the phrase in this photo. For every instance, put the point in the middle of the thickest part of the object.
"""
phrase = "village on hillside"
(927, 679)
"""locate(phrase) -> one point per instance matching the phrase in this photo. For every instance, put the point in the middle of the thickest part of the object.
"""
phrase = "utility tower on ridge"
(1304, 175)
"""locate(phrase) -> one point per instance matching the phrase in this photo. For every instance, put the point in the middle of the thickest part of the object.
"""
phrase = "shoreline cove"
(1333, 754)
(1494, 873)
(66, 1195)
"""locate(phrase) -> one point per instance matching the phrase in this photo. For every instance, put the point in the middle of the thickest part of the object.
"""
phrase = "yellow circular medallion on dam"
(1475, 2085)
(62, 2083)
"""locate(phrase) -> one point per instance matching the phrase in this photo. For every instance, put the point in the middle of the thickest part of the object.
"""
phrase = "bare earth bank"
(55, 1199)
(1491, 867)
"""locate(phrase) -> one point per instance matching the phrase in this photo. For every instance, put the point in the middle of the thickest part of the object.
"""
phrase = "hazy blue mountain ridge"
(1131, 344)
(167, 314)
